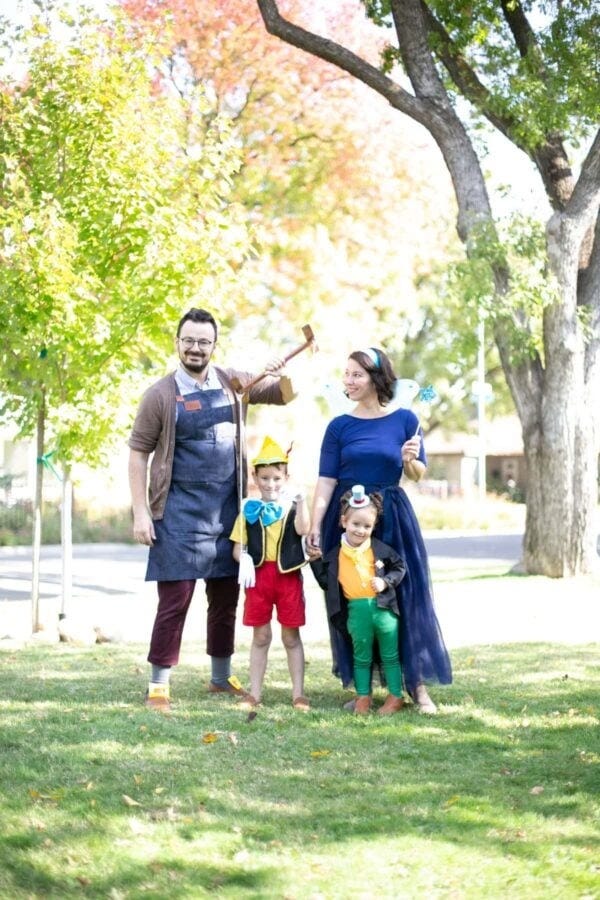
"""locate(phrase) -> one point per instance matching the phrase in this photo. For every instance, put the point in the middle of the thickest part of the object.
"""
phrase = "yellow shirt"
(356, 569)
(238, 534)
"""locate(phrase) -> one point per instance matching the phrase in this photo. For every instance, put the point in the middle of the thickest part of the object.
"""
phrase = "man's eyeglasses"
(188, 343)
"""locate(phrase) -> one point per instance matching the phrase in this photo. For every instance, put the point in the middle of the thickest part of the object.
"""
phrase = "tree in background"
(114, 217)
(530, 72)
(333, 199)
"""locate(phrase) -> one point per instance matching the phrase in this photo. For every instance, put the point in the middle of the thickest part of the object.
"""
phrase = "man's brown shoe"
(233, 687)
(392, 705)
(157, 698)
(362, 706)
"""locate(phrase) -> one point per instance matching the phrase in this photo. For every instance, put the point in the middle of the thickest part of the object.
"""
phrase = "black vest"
(290, 552)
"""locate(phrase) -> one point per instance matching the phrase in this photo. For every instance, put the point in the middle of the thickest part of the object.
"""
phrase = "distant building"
(452, 459)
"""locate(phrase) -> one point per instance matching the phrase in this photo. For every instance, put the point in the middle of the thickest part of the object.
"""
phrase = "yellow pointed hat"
(270, 453)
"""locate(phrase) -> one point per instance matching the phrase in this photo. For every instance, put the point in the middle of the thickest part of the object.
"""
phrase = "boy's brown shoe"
(392, 705)
(301, 703)
(248, 702)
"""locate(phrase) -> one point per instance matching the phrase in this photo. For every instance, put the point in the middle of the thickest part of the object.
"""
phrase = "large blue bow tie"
(266, 512)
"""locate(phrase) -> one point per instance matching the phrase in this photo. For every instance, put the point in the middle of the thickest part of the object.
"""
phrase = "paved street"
(109, 592)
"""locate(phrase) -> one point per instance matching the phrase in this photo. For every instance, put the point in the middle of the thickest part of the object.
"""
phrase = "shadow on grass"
(100, 793)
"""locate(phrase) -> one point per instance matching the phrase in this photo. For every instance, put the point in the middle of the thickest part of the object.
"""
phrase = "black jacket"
(290, 550)
(326, 570)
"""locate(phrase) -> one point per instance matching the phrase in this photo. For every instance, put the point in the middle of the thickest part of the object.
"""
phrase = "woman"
(373, 446)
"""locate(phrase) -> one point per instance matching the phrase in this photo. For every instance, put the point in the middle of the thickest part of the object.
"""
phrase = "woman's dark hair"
(381, 372)
(197, 315)
(375, 500)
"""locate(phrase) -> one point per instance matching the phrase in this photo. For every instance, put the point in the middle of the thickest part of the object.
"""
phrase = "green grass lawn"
(497, 796)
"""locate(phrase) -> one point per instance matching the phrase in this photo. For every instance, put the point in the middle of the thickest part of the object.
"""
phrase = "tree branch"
(465, 78)
(519, 25)
(585, 199)
(344, 59)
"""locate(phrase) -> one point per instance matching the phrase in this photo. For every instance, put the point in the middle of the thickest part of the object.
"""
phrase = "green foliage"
(520, 246)
(495, 797)
(88, 526)
(114, 217)
(549, 84)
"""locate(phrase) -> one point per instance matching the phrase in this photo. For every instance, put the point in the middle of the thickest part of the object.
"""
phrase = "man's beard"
(196, 367)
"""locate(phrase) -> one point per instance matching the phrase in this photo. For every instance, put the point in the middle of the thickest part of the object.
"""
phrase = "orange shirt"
(356, 569)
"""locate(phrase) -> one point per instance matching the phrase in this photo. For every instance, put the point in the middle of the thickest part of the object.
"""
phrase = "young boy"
(267, 538)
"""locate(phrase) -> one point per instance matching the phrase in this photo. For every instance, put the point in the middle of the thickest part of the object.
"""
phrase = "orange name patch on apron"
(191, 405)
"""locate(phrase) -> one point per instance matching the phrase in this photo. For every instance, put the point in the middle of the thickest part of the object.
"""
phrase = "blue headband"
(373, 356)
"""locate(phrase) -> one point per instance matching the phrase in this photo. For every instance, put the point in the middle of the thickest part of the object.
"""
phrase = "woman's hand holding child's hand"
(378, 584)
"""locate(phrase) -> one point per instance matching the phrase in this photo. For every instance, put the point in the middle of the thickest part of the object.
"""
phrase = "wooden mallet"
(308, 342)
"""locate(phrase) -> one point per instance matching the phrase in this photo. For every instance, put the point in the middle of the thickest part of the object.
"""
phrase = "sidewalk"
(109, 592)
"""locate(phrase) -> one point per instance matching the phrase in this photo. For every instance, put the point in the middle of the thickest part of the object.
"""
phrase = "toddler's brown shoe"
(362, 706)
(392, 705)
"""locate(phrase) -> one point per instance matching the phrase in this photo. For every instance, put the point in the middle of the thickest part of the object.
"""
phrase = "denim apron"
(192, 538)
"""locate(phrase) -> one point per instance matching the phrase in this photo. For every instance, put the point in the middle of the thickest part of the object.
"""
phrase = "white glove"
(246, 575)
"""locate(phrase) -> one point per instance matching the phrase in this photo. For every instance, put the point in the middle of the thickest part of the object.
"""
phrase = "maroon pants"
(174, 598)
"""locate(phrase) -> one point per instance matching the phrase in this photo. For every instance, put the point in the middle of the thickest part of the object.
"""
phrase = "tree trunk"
(561, 445)
(36, 547)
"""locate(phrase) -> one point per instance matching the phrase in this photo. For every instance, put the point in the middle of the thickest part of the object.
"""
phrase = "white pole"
(66, 538)
(481, 475)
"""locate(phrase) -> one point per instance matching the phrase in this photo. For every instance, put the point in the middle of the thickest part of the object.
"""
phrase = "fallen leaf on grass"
(129, 801)
(209, 738)
(451, 801)
(159, 790)
(317, 754)
(53, 797)
(138, 779)
(538, 789)
(232, 738)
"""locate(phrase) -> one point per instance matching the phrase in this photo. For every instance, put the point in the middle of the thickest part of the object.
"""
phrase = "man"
(188, 422)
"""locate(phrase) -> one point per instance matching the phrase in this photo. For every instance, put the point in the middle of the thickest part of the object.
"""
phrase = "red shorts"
(282, 590)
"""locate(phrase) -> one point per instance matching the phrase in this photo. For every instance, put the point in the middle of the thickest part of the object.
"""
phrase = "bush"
(89, 526)
(461, 514)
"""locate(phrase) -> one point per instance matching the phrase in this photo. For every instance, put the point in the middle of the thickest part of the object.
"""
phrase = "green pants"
(367, 621)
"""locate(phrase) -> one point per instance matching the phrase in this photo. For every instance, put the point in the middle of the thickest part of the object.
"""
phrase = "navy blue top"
(365, 451)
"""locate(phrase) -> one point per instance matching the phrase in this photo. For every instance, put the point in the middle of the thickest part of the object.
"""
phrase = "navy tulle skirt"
(423, 654)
